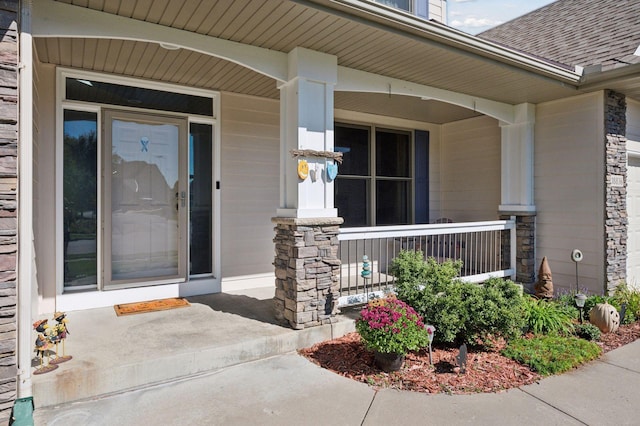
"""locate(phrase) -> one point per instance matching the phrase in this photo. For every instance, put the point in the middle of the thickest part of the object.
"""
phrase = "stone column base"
(307, 270)
(525, 248)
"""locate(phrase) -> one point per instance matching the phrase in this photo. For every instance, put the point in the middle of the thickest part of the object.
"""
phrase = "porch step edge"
(87, 381)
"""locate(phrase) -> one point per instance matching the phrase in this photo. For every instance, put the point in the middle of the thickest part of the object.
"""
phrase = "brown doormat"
(150, 306)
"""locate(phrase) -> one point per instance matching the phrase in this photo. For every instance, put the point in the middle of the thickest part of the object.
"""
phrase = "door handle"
(183, 198)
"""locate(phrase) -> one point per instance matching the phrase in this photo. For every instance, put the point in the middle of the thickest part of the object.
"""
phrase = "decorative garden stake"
(462, 358)
(580, 299)
(366, 274)
(430, 332)
(62, 333)
(42, 346)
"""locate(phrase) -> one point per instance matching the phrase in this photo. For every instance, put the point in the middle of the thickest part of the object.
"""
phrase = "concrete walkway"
(289, 390)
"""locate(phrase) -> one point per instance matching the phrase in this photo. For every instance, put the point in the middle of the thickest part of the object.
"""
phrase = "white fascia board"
(351, 80)
(55, 19)
(445, 35)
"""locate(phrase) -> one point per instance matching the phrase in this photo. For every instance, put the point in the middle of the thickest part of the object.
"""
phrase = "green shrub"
(551, 354)
(587, 331)
(410, 268)
(629, 296)
(460, 312)
(568, 302)
(544, 317)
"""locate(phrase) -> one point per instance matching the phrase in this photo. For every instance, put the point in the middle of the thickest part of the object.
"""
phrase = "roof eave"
(441, 34)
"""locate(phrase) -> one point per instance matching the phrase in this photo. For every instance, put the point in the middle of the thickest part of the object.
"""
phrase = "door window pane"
(80, 189)
(200, 213)
(351, 197)
(392, 202)
(393, 152)
(145, 200)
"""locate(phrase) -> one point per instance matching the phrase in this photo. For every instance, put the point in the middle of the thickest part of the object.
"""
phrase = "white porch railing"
(486, 249)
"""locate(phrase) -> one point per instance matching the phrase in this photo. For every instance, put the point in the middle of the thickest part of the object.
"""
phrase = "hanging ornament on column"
(332, 171)
(303, 169)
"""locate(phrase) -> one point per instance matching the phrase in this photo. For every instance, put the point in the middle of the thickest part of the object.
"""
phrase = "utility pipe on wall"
(25, 198)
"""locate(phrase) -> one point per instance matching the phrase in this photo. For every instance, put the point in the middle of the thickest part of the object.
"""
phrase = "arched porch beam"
(55, 19)
(350, 80)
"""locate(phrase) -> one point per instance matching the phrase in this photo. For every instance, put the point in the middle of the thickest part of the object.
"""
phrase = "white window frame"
(194, 285)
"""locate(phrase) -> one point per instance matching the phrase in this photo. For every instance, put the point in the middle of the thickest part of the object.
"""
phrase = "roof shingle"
(576, 32)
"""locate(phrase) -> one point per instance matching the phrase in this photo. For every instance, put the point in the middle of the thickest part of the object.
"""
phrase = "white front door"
(145, 202)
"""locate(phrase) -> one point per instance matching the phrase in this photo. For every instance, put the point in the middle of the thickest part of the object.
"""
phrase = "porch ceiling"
(282, 25)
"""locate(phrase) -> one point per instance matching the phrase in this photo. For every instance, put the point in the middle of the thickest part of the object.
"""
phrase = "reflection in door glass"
(200, 156)
(145, 200)
(80, 190)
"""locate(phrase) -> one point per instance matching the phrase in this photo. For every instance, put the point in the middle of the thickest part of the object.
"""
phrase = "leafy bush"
(631, 297)
(410, 268)
(460, 312)
(391, 326)
(568, 302)
(551, 354)
(543, 317)
(587, 331)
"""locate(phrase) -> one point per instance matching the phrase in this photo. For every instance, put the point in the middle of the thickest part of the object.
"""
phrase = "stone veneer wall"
(616, 220)
(8, 204)
(307, 270)
(525, 249)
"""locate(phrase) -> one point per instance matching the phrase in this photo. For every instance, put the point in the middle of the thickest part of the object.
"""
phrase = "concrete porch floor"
(112, 354)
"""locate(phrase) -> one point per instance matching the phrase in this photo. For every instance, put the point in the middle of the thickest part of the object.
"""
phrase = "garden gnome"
(544, 285)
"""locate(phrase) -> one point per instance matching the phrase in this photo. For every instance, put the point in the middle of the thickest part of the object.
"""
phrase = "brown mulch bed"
(487, 371)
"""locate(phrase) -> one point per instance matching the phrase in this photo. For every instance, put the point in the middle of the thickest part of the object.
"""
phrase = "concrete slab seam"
(618, 366)
(366, 413)
(553, 406)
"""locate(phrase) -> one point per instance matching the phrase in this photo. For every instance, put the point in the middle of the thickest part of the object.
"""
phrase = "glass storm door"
(145, 199)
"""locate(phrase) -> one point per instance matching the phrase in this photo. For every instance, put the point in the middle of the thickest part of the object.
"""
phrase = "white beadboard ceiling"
(282, 25)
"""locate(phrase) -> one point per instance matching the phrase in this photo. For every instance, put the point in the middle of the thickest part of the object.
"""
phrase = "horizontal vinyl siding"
(250, 145)
(569, 192)
(470, 169)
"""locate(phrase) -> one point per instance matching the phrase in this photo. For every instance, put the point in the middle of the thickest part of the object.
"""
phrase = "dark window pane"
(353, 142)
(116, 94)
(392, 202)
(351, 197)
(80, 188)
(200, 151)
(393, 152)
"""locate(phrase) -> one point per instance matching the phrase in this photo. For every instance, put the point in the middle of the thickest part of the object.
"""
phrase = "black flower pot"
(388, 362)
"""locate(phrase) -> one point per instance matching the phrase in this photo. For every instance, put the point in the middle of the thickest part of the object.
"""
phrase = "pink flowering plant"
(391, 326)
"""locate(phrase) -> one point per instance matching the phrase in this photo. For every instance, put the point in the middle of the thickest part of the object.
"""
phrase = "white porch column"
(517, 161)
(306, 122)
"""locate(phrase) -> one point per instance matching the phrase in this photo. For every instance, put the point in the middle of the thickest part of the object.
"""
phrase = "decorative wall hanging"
(144, 142)
(314, 173)
(303, 169)
(310, 153)
(332, 171)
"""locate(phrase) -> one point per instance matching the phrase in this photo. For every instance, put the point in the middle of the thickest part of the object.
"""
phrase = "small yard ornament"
(462, 358)
(61, 335)
(544, 285)
(605, 317)
(42, 346)
(430, 332)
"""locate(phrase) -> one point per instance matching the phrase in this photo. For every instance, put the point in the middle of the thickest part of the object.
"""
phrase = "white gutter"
(25, 197)
(440, 33)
